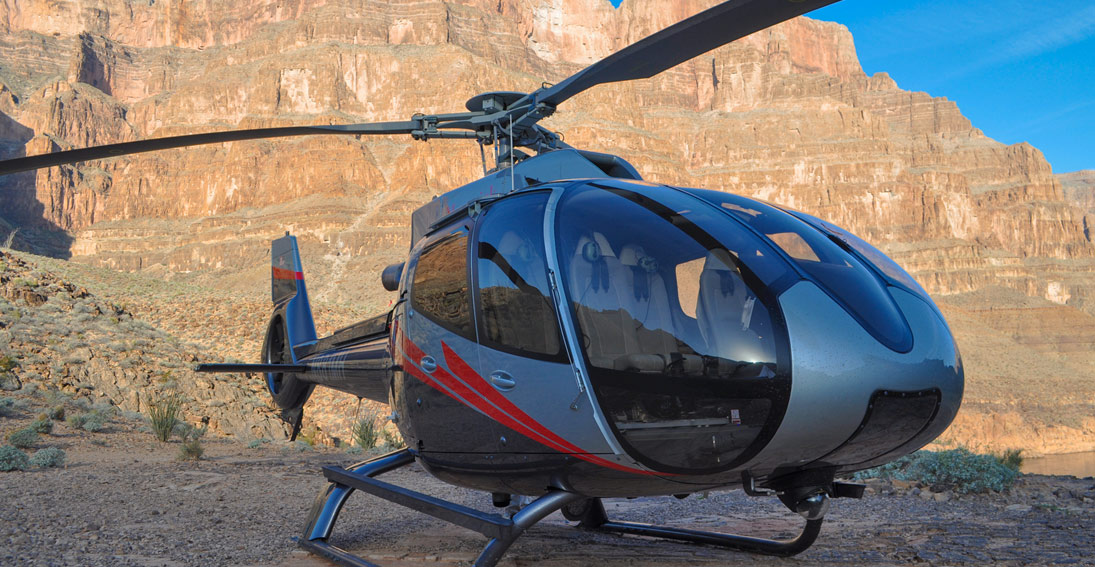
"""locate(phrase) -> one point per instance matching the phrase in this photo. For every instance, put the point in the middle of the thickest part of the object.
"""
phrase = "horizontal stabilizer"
(279, 368)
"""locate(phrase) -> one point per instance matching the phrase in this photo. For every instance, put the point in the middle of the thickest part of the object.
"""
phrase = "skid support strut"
(591, 515)
(501, 531)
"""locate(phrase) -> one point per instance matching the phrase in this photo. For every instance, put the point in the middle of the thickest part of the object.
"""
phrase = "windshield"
(836, 271)
(672, 329)
(650, 297)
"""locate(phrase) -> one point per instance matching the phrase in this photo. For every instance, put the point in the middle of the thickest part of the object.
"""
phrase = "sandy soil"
(124, 498)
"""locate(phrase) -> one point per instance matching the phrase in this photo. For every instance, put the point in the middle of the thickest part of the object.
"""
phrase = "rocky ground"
(123, 498)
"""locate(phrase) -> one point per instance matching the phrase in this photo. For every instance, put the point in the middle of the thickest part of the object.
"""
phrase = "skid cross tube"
(501, 531)
(594, 518)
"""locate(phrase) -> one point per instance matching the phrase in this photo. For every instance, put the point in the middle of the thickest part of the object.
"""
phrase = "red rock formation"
(786, 115)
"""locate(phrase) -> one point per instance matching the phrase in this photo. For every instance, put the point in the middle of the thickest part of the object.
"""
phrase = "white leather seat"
(597, 282)
(724, 308)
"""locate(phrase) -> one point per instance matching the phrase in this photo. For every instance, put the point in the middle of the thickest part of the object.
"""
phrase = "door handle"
(428, 364)
(502, 380)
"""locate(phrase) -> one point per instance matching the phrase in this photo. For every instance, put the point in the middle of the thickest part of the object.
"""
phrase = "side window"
(440, 287)
(515, 301)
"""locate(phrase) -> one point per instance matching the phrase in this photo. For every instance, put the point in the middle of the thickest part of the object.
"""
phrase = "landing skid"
(502, 531)
(591, 516)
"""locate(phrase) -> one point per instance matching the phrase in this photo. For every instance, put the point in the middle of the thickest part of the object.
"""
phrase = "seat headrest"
(718, 260)
(594, 249)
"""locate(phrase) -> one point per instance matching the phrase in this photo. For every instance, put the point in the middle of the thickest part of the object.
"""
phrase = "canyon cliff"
(786, 115)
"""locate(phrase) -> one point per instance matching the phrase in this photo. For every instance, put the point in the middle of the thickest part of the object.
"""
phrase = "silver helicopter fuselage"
(627, 338)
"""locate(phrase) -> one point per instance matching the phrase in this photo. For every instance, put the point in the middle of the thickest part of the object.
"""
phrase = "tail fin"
(288, 289)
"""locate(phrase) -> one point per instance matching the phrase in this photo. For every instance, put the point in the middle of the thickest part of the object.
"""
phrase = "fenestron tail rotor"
(508, 117)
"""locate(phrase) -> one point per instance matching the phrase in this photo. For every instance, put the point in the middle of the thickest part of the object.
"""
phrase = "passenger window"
(515, 302)
(440, 287)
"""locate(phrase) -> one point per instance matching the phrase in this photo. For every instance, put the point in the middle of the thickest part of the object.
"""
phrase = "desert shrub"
(95, 422)
(392, 439)
(12, 459)
(23, 438)
(7, 363)
(76, 420)
(132, 415)
(164, 416)
(191, 448)
(957, 469)
(309, 436)
(7, 406)
(57, 397)
(1011, 458)
(10, 238)
(48, 458)
(43, 425)
(57, 413)
(92, 421)
(365, 431)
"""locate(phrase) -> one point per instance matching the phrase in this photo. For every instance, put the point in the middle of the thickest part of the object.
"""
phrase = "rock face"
(64, 338)
(1079, 189)
(786, 115)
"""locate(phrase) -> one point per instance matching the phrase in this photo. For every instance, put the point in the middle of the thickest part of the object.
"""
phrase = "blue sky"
(1020, 70)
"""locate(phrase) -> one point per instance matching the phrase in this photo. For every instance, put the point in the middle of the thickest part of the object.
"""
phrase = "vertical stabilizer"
(288, 289)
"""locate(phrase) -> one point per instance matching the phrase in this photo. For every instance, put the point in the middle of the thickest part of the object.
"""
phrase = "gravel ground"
(125, 499)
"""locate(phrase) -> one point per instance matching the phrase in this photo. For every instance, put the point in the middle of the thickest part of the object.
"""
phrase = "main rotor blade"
(153, 144)
(680, 42)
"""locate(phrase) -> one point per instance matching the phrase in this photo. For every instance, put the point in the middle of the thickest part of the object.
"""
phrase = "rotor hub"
(493, 101)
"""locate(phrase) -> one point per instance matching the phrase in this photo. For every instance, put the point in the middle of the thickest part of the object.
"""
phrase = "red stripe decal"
(522, 419)
(283, 274)
(472, 399)
(421, 375)
(479, 395)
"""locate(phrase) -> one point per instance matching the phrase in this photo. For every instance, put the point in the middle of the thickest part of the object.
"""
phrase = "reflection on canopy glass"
(674, 336)
(514, 297)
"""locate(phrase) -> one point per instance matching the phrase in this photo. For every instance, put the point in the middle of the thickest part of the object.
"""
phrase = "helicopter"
(566, 331)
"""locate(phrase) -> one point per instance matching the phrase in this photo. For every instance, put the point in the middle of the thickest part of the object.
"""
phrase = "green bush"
(191, 449)
(92, 421)
(959, 470)
(76, 420)
(7, 363)
(1011, 458)
(95, 422)
(7, 406)
(12, 459)
(365, 431)
(48, 458)
(164, 415)
(23, 438)
(392, 439)
(57, 413)
(42, 425)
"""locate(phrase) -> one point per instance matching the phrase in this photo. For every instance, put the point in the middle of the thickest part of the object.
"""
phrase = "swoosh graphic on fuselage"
(472, 390)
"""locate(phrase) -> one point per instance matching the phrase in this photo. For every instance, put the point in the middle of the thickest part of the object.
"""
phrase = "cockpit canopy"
(673, 295)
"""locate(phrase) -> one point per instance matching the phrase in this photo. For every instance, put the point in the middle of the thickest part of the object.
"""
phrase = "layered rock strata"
(785, 115)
